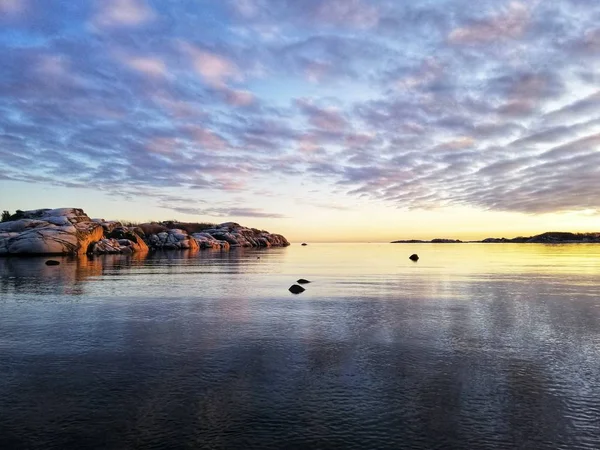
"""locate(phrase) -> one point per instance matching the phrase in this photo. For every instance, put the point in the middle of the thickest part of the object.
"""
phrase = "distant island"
(550, 237)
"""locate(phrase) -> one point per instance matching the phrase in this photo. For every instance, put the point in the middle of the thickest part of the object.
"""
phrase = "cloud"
(354, 13)
(508, 24)
(153, 67)
(216, 70)
(12, 7)
(357, 14)
(238, 97)
(122, 13)
(230, 213)
(326, 119)
(495, 107)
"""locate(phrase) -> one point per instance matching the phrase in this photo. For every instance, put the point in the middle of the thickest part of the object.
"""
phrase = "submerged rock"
(296, 289)
(52, 262)
(414, 257)
(302, 281)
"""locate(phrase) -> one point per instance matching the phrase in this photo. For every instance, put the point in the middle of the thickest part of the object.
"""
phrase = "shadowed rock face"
(64, 231)
(119, 239)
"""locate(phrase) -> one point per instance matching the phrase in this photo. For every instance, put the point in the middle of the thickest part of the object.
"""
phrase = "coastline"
(549, 237)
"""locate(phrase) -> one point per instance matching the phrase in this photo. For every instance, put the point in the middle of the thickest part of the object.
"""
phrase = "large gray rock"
(239, 236)
(173, 239)
(64, 231)
(205, 240)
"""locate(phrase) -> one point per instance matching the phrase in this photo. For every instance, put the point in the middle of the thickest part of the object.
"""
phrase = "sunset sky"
(323, 120)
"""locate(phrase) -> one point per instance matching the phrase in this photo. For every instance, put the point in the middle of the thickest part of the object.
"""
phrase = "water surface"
(475, 346)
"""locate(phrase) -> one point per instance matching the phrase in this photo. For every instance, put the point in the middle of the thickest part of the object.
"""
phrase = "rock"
(304, 244)
(205, 240)
(172, 239)
(119, 239)
(238, 236)
(414, 257)
(302, 281)
(64, 231)
(52, 262)
(296, 289)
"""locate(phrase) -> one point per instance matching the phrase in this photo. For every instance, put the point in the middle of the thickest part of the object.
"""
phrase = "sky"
(323, 120)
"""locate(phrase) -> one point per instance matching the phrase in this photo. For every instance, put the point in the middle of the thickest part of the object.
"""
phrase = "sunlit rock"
(173, 239)
(205, 240)
(64, 231)
(239, 236)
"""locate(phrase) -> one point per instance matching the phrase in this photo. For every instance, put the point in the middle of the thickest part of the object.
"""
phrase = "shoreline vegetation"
(69, 231)
(549, 237)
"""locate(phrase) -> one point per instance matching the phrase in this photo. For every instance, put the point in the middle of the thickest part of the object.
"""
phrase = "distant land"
(550, 237)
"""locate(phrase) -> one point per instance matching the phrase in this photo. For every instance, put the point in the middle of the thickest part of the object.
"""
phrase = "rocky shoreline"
(550, 237)
(69, 231)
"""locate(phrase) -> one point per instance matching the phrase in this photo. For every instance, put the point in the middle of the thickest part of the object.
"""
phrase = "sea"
(475, 346)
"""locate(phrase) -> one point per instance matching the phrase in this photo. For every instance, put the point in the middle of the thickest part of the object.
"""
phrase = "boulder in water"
(296, 289)
(414, 257)
(52, 262)
(302, 281)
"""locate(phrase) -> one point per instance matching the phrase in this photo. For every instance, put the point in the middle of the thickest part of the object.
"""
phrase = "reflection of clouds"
(471, 347)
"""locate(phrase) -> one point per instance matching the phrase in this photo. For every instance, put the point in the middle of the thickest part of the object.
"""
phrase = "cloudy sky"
(321, 119)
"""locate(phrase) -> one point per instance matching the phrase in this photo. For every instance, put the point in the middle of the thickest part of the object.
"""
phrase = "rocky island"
(550, 237)
(69, 231)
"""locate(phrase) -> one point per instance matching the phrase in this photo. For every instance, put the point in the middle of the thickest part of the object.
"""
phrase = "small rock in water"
(304, 243)
(295, 289)
(302, 281)
(414, 257)
(52, 262)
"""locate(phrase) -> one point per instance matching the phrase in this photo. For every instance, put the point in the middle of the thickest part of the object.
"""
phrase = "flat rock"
(302, 281)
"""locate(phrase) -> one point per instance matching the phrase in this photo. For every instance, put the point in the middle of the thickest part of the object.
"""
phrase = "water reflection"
(211, 351)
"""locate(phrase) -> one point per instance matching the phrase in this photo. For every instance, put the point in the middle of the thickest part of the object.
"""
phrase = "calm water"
(475, 346)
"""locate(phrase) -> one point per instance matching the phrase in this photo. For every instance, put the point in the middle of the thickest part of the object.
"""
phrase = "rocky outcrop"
(123, 246)
(173, 239)
(205, 241)
(64, 231)
(69, 231)
(119, 239)
(239, 236)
